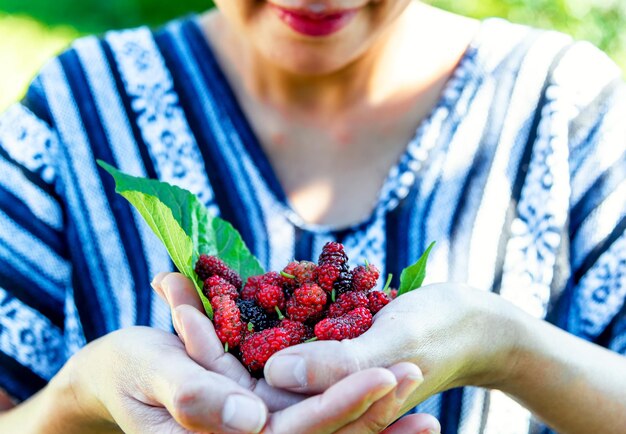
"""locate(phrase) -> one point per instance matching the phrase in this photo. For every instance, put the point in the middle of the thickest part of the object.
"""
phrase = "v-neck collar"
(401, 175)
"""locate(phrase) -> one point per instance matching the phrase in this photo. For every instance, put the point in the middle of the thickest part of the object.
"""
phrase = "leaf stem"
(280, 314)
(388, 284)
(287, 275)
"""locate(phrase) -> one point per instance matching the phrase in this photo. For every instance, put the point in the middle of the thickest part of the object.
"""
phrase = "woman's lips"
(315, 24)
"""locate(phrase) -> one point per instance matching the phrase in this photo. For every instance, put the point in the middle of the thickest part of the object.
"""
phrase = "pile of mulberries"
(303, 302)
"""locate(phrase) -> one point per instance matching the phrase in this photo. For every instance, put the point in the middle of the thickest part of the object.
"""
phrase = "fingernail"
(286, 372)
(156, 282)
(178, 325)
(165, 289)
(242, 413)
(435, 430)
(171, 281)
(407, 387)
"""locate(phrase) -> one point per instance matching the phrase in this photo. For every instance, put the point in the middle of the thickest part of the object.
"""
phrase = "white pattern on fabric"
(601, 292)
(492, 210)
(536, 235)
(27, 140)
(29, 337)
(230, 146)
(163, 124)
(29, 254)
(599, 224)
(402, 175)
(38, 201)
(127, 158)
(86, 199)
(462, 147)
(542, 212)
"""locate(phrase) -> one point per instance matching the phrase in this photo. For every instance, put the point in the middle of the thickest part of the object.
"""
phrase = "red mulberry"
(215, 286)
(346, 303)
(257, 348)
(208, 266)
(298, 332)
(270, 297)
(377, 300)
(306, 303)
(364, 278)
(254, 283)
(349, 326)
(334, 253)
(327, 275)
(227, 321)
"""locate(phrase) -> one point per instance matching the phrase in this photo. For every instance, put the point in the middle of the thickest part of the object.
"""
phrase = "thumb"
(415, 423)
(178, 290)
(313, 367)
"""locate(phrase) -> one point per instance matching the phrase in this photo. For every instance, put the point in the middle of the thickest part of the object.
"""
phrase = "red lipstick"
(315, 24)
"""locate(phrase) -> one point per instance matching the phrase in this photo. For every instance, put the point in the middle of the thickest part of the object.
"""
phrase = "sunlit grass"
(601, 22)
(25, 45)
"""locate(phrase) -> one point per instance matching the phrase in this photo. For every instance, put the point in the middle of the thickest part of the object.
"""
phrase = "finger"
(200, 400)
(341, 404)
(179, 290)
(388, 409)
(204, 347)
(305, 368)
(276, 399)
(156, 284)
(415, 423)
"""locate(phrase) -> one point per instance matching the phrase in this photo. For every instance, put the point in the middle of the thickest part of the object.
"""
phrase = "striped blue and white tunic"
(519, 174)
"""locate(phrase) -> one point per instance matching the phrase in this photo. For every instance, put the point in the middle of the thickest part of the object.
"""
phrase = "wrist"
(71, 398)
(500, 327)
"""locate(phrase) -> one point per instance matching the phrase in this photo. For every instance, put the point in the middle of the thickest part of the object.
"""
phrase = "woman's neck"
(331, 140)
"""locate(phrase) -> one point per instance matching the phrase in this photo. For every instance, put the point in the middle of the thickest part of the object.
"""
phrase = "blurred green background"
(33, 30)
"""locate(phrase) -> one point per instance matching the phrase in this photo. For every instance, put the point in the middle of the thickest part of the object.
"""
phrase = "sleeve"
(597, 212)
(35, 272)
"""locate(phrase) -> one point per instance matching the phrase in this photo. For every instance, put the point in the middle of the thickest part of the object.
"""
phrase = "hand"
(456, 335)
(328, 412)
(141, 380)
(203, 345)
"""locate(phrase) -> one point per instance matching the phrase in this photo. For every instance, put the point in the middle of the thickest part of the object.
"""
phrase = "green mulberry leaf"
(413, 276)
(185, 227)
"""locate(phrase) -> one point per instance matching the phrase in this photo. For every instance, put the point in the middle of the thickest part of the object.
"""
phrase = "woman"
(383, 124)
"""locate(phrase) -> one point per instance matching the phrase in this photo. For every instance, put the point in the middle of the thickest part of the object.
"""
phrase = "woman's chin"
(306, 57)
(308, 64)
